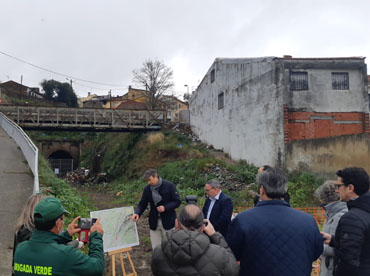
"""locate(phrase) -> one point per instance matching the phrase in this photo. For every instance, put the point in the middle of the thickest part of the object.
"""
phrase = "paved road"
(16, 185)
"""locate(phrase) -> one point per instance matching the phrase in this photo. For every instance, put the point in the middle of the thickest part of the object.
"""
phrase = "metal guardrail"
(29, 150)
(85, 118)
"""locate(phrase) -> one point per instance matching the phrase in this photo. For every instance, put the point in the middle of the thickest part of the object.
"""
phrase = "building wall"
(313, 125)
(322, 111)
(326, 156)
(13, 88)
(250, 126)
(320, 97)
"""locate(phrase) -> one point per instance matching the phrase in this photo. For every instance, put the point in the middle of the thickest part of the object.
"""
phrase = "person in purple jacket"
(274, 239)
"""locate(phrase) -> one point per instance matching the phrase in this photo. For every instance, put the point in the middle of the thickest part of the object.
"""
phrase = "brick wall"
(311, 125)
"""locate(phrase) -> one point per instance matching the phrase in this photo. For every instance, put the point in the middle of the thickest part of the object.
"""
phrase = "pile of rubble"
(84, 176)
(186, 131)
(227, 179)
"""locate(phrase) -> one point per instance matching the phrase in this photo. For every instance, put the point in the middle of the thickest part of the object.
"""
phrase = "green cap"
(49, 209)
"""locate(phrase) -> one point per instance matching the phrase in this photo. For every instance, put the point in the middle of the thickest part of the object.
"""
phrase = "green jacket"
(46, 254)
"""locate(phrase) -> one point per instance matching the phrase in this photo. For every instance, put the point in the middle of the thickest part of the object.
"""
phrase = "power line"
(51, 71)
(98, 88)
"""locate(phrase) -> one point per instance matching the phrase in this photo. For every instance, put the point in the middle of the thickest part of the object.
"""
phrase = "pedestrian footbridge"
(84, 119)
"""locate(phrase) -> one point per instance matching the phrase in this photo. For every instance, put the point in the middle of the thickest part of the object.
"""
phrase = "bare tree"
(156, 78)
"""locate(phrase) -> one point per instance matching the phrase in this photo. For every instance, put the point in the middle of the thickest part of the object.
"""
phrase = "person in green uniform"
(46, 253)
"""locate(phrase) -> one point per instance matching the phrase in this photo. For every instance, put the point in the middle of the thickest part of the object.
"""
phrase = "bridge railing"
(85, 118)
(29, 150)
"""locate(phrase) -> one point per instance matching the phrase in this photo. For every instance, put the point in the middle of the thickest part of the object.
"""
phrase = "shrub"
(69, 197)
(301, 188)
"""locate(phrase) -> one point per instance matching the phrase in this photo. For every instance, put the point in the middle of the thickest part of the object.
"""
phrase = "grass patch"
(75, 204)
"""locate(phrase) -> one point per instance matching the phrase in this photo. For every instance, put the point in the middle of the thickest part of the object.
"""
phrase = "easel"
(112, 267)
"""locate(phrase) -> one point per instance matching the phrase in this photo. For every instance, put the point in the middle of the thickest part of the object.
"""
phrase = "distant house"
(132, 105)
(13, 88)
(174, 107)
(171, 103)
(255, 109)
(35, 93)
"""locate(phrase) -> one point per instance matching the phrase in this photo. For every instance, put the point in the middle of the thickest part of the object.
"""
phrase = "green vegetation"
(60, 135)
(56, 91)
(51, 185)
(301, 189)
(125, 157)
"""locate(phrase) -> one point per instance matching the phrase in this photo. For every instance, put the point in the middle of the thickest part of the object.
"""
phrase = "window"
(298, 81)
(221, 100)
(213, 76)
(340, 81)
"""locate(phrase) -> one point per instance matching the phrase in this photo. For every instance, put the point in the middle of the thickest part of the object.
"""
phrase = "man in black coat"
(218, 207)
(352, 237)
(163, 199)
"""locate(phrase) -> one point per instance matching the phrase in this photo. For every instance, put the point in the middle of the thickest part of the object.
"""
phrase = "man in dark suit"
(163, 198)
(218, 207)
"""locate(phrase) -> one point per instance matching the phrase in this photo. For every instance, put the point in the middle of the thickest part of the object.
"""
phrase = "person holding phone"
(46, 253)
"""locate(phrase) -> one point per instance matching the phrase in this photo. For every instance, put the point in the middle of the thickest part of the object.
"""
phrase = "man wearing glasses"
(352, 237)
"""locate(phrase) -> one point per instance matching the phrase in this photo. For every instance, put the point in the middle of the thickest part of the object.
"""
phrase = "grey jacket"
(334, 211)
(191, 253)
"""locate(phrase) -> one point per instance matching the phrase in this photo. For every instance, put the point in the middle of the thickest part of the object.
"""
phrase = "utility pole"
(21, 85)
(110, 96)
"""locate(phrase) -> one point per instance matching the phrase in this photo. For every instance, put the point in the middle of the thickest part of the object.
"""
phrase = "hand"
(326, 237)
(97, 227)
(73, 227)
(161, 209)
(135, 217)
(209, 230)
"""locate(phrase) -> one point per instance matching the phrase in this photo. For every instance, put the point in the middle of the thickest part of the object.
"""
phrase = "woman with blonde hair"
(334, 210)
(25, 224)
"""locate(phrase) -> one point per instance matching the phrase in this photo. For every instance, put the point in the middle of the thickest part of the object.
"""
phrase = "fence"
(61, 166)
(29, 150)
(318, 214)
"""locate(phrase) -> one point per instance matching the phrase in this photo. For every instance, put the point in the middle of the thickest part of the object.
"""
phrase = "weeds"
(69, 197)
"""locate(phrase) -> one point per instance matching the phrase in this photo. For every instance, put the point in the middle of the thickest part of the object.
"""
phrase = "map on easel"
(119, 229)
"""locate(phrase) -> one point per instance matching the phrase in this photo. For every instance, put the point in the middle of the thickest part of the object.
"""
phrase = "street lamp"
(187, 88)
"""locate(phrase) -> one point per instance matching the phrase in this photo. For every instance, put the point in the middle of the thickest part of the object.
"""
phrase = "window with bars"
(221, 100)
(340, 81)
(298, 81)
(213, 76)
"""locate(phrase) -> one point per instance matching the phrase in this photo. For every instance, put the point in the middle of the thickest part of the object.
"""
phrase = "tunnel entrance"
(61, 162)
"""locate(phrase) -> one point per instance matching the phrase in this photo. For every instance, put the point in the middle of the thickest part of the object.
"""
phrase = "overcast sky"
(104, 40)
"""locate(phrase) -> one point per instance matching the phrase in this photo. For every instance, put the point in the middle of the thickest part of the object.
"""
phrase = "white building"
(252, 108)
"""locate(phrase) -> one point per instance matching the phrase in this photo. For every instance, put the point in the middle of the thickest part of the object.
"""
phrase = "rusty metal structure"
(84, 119)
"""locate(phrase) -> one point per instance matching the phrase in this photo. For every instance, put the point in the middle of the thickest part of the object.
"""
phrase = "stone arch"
(61, 148)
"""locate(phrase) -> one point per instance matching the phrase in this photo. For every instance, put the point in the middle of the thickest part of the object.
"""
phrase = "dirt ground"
(142, 254)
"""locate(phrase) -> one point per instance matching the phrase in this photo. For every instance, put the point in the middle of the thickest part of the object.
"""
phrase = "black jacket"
(170, 201)
(191, 253)
(221, 213)
(352, 239)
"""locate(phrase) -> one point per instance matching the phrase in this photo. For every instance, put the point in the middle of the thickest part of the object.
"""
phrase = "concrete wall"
(320, 111)
(250, 126)
(320, 97)
(326, 156)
